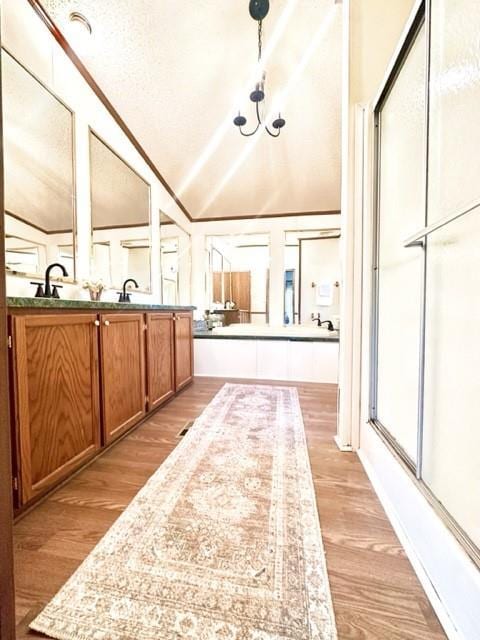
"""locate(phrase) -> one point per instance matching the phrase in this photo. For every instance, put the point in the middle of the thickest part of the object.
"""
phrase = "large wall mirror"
(121, 231)
(175, 260)
(39, 176)
(312, 276)
(239, 276)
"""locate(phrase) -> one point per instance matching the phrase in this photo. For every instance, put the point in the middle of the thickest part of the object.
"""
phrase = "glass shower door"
(400, 213)
(451, 461)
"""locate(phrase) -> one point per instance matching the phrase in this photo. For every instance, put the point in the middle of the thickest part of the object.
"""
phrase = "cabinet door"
(160, 358)
(183, 349)
(241, 286)
(56, 397)
(122, 372)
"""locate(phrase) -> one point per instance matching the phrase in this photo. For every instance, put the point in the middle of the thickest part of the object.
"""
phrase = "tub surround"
(290, 333)
(202, 334)
(269, 357)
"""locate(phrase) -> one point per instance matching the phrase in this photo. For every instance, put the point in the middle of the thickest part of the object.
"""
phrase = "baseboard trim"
(256, 378)
(341, 446)
(438, 606)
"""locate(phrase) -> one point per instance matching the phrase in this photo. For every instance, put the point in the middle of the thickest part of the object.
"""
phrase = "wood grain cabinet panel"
(183, 350)
(160, 358)
(241, 289)
(56, 391)
(122, 372)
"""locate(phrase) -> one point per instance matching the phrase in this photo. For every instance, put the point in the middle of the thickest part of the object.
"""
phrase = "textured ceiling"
(177, 72)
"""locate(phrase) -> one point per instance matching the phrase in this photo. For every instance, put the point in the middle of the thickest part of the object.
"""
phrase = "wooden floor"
(375, 592)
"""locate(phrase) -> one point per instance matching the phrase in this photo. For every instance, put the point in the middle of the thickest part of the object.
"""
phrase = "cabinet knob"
(97, 323)
(107, 323)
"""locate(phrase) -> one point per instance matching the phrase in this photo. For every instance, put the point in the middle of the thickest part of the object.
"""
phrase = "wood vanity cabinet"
(183, 350)
(160, 358)
(80, 380)
(122, 346)
(56, 397)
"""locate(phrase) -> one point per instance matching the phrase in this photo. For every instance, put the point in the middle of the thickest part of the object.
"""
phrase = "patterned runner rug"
(222, 543)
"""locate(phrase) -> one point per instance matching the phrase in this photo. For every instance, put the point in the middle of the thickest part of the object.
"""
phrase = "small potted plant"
(95, 289)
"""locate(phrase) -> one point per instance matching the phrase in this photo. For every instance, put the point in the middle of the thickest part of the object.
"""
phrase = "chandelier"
(258, 11)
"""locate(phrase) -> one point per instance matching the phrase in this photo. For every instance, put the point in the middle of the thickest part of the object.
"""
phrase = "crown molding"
(261, 216)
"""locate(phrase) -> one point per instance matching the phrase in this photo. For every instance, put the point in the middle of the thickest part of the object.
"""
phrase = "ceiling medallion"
(258, 11)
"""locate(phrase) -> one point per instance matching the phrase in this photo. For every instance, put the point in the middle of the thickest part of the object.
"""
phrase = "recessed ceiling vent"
(79, 19)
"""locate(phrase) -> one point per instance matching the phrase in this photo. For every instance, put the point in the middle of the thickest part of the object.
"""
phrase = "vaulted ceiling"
(178, 72)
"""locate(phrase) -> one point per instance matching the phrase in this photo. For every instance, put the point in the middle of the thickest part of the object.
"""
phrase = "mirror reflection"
(312, 277)
(22, 256)
(239, 268)
(121, 237)
(38, 167)
(175, 261)
(221, 279)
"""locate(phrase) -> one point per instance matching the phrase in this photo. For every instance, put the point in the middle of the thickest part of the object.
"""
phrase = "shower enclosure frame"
(418, 239)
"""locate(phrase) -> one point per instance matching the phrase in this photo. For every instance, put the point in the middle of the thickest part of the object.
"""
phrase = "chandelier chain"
(258, 10)
(259, 40)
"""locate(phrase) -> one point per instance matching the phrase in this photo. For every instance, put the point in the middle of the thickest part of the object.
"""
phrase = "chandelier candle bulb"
(239, 120)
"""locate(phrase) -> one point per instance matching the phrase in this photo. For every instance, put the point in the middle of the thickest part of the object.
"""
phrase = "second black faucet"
(123, 296)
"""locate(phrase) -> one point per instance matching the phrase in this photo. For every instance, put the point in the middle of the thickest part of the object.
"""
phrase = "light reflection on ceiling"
(178, 73)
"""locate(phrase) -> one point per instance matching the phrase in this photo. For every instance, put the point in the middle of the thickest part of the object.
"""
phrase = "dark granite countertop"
(204, 334)
(55, 303)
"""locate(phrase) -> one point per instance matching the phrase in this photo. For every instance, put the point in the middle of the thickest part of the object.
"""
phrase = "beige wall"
(375, 29)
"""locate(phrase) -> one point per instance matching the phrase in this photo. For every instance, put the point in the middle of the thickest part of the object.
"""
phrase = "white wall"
(29, 40)
(320, 265)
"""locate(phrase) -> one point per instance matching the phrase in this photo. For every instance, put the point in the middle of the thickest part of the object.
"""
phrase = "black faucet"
(48, 292)
(320, 323)
(123, 295)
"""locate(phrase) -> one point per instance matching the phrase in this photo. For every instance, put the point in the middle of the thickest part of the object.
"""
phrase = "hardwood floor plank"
(375, 592)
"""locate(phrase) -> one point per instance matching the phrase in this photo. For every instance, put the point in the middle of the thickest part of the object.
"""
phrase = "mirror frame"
(189, 266)
(93, 133)
(326, 234)
(222, 258)
(54, 277)
(177, 288)
(209, 247)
